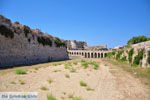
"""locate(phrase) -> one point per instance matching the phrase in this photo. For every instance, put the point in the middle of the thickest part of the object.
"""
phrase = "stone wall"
(24, 50)
(145, 46)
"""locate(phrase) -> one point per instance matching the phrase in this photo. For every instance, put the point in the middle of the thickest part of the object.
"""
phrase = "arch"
(95, 55)
(77, 53)
(74, 53)
(91, 55)
(88, 55)
(85, 55)
(82, 53)
(105, 54)
(101, 55)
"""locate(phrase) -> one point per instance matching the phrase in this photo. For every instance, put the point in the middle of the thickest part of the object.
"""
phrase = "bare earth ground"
(109, 83)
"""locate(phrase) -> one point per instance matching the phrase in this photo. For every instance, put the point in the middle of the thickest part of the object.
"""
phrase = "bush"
(26, 30)
(138, 57)
(130, 53)
(21, 71)
(6, 31)
(124, 58)
(44, 41)
(59, 43)
(119, 54)
(138, 39)
(148, 58)
(110, 54)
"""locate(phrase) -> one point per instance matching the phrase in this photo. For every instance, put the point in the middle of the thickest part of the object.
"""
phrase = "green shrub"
(138, 39)
(59, 43)
(26, 30)
(138, 57)
(119, 54)
(96, 66)
(50, 97)
(124, 58)
(44, 41)
(83, 83)
(110, 54)
(85, 64)
(130, 53)
(20, 71)
(82, 60)
(75, 63)
(148, 58)
(6, 31)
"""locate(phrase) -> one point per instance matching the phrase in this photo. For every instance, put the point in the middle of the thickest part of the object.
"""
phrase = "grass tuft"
(49, 81)
(21, 82)
(89, 89)
(12, 82)
(21, 71)
(77, 98)
(83, 84)
(67, 76)
(50, 97)
(73, 70)
(44, 88)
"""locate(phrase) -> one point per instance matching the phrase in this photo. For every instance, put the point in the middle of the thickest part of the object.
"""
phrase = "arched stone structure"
(88, 54)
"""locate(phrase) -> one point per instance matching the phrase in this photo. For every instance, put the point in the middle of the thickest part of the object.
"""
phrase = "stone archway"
(95, 55)
(88, 55)
(92, 55)
(85, 55)
(101, 55)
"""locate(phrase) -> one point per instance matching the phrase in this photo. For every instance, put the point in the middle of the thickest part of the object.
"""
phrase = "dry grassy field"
(78, 79)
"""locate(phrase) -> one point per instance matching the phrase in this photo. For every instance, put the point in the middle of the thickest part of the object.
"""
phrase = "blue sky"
(98, 22)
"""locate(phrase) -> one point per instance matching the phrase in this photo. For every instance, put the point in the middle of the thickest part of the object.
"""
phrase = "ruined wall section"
(24, 50)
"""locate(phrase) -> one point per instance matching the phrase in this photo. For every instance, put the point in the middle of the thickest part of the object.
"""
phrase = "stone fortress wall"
(20, 45)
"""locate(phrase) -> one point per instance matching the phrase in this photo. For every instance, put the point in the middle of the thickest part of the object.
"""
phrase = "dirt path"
(107, 83)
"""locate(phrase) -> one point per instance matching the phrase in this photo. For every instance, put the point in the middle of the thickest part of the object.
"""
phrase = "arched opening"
(85, 55)
(91, 55)
(88, 55)
(77, 53)
(82, 54)
(105, 54)
(95, 55)
(74, 53)
(101, 55)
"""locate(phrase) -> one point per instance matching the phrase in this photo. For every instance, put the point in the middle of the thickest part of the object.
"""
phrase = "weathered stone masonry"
(22, 50)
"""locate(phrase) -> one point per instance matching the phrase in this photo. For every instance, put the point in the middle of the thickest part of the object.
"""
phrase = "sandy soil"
(108, 83)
